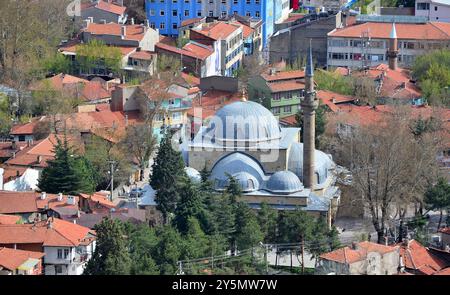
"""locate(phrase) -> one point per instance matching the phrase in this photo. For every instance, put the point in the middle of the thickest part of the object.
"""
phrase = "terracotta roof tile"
(286, 86)
(26, 128)
(418, 258)
(349, 255)
(173, 49)
(217, 30)
(111, 7)
(143, 55)
(202, 51)
(246, 30)
(94, 91)
(444, 272)
(285, 75)
(190, 21)
(211, 101)
(133, 32)
(52, 232)
(9, 219)
(11, 258)
(427, 31)
(445, 230)
(27, 202)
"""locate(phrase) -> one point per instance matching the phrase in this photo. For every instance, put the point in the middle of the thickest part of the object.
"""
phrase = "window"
(162, 26)
(162, 1)
(152, 25)
(287, 109)
(186, 1)
(161, 13)
(235, 1)
(250, 184)
(60, 254)
(66, 253)
(235, 12)
(256, 1)
(247, 1)
(174, 12)
(337, 43)
(174, 26)
(175, 1)
(247, 13)
(152, 12)
(58, 269)
(199, 13)
(256, 13)
(224, 1)
(276, 96)
(186, 13)
(210, 13)
(435, 8)
(176, 116)
(223, 14)
(276, 110)
(423, 6)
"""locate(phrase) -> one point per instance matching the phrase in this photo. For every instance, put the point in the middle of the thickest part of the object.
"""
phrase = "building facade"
(433, 10)
(167, 15)
(366, 45)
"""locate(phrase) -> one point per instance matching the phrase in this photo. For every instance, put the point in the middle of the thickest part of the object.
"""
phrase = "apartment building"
(366, 45)
(168, 15)
(433, 10)
(104, 11)
(229, 38)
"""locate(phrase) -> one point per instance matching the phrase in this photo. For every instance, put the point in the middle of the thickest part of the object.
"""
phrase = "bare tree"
(391, 168)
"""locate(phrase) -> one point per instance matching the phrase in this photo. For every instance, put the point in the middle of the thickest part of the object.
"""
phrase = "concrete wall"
(293, 43)
(437, 12)
(125, 98)
(98, 15)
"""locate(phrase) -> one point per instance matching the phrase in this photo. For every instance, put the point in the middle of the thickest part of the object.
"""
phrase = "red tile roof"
(52, 233)
(285, 75)
(289, 120)
(246, 30)
(176, 50)
(7, 148)
(211, 101)
(190, 21)
(294, 17)
(217, 30)
(111, 7)
(331, 99)
(418, 258)
(94, 91)
(11, 259)
(143, 55)
(427, 31)
(9, 219)
(12, 172)
(27, 202)
(99, 198)
(444, 272)
(26, 128)
(132, 32)
(349, 255)
(286, 86)
(202, 51)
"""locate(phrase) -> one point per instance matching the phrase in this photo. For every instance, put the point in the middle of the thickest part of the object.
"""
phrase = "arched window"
(250, 184)
(317, 177)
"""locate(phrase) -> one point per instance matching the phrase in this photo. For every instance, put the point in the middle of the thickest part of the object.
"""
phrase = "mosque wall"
(276, 200)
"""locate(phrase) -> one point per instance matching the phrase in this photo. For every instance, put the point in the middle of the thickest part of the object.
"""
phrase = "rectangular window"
(287, 109)
(199, 13)
(66, 253)
(210, 13)
(235, 1)
(176, 116)
(174, 12)
(224, 1)
(423, 6)
(60, 253)
(247, 1)
(152, 12)
(174, 26)
(162, 26)
(276, 110)
(276, 96)
(256, 13)
(247, 13)
(152, 25)
(223, 14)
(161, 12)
(58, 269)
(186, 13)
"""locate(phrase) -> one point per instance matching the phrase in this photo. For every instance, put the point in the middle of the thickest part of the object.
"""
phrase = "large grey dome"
(284, 182)
(322, 162)
(247, 182)
(235, 164)
(243, 121)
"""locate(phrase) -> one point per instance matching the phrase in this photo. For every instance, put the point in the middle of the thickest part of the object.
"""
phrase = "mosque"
(245, 140)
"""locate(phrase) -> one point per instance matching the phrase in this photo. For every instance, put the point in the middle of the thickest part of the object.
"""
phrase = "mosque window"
(250, 184)
(317, 177)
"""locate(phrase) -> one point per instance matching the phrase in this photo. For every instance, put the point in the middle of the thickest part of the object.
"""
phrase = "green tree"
(189, 206)
(96, 54)
(267, 219)
(233, 189)
(56, 64)
(143, 241)
(320, 119)
(67, 173)
(5, 117)
(248, 232)
(196, 241)
(437, 197)
(168, 250)
(168, 176)
(111, 256)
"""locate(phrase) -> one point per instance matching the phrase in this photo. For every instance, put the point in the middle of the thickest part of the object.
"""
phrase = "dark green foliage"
(168, 250)
(437, 197)
(267, 219)
(248, 232)
(111, 256)
(190, 205)
(321, 122)
(233, 189)
(168, 176)
(196, 241)
(67, 173)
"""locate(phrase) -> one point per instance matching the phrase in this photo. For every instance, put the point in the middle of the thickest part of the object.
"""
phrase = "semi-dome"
(322, 162)
(247, 182)
(284, 182)
(193, 174)
(243, 121)
(233, 164)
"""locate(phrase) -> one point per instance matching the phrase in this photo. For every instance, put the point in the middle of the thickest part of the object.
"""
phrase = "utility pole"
(112, 163)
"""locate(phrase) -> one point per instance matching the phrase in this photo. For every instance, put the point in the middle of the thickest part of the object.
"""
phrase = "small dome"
(243, 121)
(193, 174)
(284, 182)
(247, 182)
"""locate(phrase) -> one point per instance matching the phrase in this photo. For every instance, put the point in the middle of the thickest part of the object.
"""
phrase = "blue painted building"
(167, 15)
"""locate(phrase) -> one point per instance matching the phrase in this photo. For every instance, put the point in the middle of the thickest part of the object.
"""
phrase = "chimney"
(272, 71)
(43, 195)
(126, 120)
(39, 159)
(147, 23)
(393, 49)
(132, 20)
(1, 178)
(14, 145)
(333, 100)
(123, 32)
(29, 142)
(70, 200)
(14, 155)
(91, 19)
(50, 223)
(60, 197)
(103, 21)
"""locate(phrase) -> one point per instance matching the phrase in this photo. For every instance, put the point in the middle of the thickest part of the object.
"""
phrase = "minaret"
(393, 49)
(309, 105)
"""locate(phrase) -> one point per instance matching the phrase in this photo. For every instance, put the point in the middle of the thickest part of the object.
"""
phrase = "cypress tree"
(168, 176)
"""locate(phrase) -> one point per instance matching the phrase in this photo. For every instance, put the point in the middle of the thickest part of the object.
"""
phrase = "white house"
(434, 10)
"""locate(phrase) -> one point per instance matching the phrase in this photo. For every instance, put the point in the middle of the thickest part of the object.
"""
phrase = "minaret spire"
(393, 49)
(309, 105)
